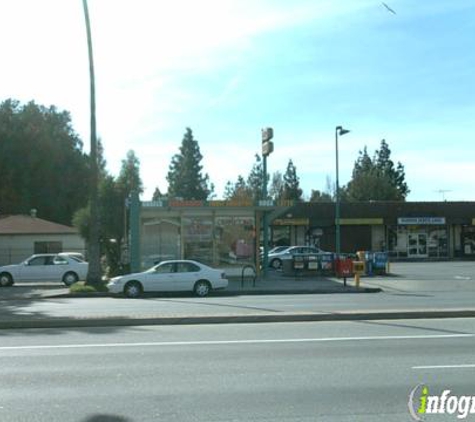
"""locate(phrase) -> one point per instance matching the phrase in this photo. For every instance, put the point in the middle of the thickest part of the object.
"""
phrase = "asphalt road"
(234, 305)
(351, 371)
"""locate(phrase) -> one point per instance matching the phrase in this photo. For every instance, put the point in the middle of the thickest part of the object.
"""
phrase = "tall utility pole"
(267, 149)
(94, 271)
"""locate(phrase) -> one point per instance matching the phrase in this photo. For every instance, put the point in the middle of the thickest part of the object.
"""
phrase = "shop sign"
(291, 222)
(420, 221)
(190, 203)
(231, 203)
(153, 204)
(234, 221)
(361, 221)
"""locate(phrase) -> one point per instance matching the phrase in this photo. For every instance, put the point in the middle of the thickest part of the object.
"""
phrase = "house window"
(48, 247)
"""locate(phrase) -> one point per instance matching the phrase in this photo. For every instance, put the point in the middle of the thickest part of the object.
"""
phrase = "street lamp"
(339, 131)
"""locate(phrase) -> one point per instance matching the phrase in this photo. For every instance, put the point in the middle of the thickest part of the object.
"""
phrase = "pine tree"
(255, 180)
(291, 189)
(129, 178)
(238, 191)
(185, 178)
(376, 179)
(157, 195)
(277, 186)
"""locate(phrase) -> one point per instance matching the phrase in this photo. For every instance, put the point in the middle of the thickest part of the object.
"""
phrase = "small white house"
(23, 235)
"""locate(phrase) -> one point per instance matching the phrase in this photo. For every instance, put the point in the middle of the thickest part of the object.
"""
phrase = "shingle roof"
(24, 224)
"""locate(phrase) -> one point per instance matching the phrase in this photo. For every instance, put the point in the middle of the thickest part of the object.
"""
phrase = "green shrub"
(81, 287)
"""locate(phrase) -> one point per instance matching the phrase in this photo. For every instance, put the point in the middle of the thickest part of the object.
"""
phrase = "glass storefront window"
(438, 242)
(418, 241)
(160, 241)
(281, 236)
(235, 239)
(198, 239)
(468, 240)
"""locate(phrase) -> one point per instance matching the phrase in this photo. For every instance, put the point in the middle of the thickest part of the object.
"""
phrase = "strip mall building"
(407, 230)
(224, 232)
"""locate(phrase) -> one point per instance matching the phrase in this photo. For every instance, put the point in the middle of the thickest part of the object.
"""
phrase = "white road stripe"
(231, 342)
(445, 366)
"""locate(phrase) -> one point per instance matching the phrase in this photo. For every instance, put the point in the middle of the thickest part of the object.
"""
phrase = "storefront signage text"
(291, 222)
(421, 221)
(232, 203)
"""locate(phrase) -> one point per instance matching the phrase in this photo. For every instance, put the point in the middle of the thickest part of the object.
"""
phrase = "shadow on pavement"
(16, 310)
(106, 418)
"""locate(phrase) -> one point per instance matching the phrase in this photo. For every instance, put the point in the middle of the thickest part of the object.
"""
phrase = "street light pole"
(339, 131)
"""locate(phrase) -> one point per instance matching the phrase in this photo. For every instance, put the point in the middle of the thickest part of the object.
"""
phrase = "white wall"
(16, 248)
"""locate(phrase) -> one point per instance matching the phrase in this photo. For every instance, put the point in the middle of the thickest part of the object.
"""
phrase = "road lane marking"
(233, 342)
(445, 366)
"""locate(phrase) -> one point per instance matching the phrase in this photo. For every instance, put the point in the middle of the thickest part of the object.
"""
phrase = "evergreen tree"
(157, 195)
(113, 193)
(277, 186)
(42, 164)
(228, 190)
(386, 168)
(255, 179)
(318, 196)
(129, 177)
(376, 179)
(185, 178)
(238, 191)
(291, 189)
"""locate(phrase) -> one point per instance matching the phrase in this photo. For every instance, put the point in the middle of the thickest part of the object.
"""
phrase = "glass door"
(417, 245)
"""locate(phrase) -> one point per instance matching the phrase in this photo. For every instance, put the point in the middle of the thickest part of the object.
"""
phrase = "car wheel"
(202, 288)
(6, 280)
(70, 278)
(133, 289)
(276, 264)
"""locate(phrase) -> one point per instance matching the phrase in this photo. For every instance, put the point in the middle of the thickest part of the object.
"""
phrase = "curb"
(257, 292)
(233, 319)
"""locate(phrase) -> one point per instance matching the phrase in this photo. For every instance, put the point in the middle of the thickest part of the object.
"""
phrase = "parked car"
(45, 267)
(170, 276)
(77, 255)
(275, 258)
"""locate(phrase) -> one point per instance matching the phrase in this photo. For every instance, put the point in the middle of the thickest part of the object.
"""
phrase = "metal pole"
(337, 202)
(94, 271)
(265, 225)
(134, 223)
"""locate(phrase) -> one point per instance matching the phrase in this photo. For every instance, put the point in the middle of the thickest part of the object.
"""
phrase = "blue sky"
(227, 68)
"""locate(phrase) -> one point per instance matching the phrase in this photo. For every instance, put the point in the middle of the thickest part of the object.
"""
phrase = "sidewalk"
(50, 305)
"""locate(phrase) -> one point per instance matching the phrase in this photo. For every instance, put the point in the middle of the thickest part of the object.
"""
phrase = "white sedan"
(45, 267)
(170, 276)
